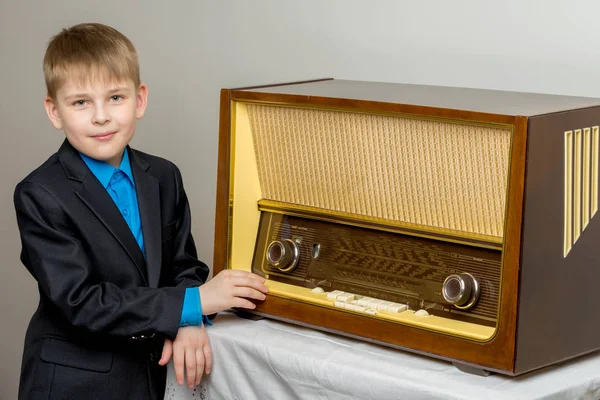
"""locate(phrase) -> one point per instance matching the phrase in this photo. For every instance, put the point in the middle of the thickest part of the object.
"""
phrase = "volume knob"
(283, 254)
(461, 290)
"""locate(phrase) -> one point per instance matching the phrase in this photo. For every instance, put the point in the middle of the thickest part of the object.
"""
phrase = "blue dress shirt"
(120, 185)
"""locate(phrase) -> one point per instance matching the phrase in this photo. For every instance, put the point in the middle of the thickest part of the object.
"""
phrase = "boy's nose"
(100, 117)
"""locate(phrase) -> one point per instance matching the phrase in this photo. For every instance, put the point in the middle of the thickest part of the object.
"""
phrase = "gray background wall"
(190, 49)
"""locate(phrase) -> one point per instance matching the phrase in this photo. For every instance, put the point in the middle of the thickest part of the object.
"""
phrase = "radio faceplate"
(374, 264)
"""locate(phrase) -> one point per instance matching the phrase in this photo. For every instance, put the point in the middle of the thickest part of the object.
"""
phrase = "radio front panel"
(353, 212)
(451, 288)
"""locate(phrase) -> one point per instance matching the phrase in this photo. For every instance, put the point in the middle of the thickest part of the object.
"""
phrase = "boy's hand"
(191, 349)
(231, 288)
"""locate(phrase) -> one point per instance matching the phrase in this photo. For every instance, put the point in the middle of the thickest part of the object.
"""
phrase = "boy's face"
(98, 118)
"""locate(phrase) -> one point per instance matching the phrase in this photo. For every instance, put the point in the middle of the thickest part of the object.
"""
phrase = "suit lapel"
(102, 205)
(149, 203)
(97, 199)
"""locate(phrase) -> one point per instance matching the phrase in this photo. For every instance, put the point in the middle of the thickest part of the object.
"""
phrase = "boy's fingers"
(167, 351)
(190, 362)
(248, 293)
(251, 283)
(207, 358)
(245, 274)
(243, 303)
(178, 363)
(249, 280)
(199, 365)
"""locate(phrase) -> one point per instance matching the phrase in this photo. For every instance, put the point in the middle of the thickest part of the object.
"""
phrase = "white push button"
(396, 307)
(374, 303)
(355, 307)
(365, 300)
(334, 295)
(347, 297)
(340, 304)
(384, 305)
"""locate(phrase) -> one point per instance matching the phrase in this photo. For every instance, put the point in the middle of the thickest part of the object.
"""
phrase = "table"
(268, 359)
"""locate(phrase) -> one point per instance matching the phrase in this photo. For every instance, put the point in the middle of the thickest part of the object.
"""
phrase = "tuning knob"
(283, 254)
(461, 290)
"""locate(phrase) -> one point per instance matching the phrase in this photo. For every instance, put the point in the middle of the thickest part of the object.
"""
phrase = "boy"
(105, 231)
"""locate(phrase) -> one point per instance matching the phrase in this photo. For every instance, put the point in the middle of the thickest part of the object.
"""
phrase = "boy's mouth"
(104, 135)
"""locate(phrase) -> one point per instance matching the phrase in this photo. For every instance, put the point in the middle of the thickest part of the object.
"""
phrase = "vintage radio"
(457, 223)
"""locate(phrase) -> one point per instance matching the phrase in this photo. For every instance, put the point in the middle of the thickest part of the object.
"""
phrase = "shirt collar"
(104, 171)
(126, 166)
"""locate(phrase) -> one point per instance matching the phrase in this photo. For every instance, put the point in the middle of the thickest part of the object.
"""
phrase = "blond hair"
(89, 51)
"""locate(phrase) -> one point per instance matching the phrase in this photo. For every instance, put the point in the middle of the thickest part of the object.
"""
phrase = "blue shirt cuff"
(191, 314)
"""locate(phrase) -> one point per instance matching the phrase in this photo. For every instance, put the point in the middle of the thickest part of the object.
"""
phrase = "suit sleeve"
(186, 269)
(57, 260)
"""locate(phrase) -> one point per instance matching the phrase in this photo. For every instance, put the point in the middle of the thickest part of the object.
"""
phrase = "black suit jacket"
(104, 308)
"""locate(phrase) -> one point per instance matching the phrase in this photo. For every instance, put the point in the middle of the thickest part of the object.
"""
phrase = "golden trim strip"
(483, 241)
(595, 159)
(452, 327)
(577, 188)
(404, 114)
(568, 192)
(586, 178)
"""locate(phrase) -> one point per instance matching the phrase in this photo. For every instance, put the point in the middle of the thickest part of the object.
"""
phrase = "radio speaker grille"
(431, 173)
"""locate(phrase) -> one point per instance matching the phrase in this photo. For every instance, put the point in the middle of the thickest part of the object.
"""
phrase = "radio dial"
(283, 254)
(461, 290)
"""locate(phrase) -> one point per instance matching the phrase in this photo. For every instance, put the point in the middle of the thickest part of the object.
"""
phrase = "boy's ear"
(141, 101)
(52, 112)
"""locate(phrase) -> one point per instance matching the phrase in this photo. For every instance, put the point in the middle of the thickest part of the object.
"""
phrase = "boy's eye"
(116, 97)
(79, 102)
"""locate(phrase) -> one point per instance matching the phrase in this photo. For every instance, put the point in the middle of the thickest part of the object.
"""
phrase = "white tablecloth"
(267, 359)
